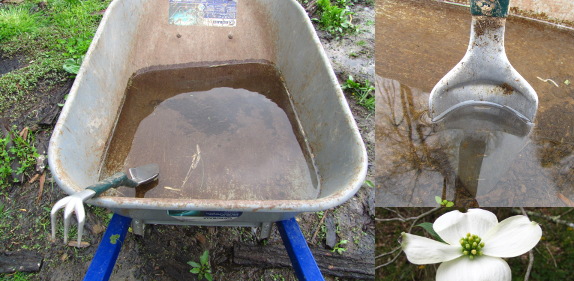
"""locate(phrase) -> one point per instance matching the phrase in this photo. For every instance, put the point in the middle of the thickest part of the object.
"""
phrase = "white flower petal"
(455, 225)
(482, 268)
(512, 237)
(421, 250)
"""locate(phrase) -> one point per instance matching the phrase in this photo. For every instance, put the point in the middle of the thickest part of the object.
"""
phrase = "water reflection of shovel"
(482, 90)
(75, 202)
(489, 137)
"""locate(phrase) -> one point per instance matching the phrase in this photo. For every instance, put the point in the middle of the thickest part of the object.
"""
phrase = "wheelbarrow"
(136, 35)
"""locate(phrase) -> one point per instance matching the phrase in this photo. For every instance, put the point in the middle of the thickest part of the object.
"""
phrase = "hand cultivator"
(75, 202)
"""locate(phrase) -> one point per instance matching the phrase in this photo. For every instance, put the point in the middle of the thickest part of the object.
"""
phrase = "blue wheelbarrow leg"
(103, 262)
(301, 257)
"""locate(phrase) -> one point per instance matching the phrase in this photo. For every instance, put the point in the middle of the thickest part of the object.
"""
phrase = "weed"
(335, 19)
(361, 43)
(14, 147)
(203, 268)
(363, 92)
(338, 247)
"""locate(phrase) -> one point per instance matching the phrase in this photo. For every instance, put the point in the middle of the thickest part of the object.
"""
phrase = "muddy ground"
(165, 250)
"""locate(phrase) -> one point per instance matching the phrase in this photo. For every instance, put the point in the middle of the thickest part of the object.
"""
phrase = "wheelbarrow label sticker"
(204, 215)
(203, 12)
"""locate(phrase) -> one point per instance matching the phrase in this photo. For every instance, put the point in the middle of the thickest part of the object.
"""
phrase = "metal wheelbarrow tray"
(137, 34)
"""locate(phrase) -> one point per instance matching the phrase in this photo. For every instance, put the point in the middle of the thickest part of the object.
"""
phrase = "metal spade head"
(144, 174)
(484, 74)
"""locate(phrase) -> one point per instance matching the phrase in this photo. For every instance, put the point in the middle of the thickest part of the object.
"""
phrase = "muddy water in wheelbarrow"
(217, 132)
(418, 42)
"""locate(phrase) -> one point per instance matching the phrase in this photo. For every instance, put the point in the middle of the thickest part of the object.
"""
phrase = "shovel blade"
(144, 174)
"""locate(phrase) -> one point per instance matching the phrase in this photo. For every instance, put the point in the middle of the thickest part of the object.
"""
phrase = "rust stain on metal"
(485, 24)
(506, 88)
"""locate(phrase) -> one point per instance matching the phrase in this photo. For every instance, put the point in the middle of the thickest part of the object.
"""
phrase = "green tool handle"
(489, 8)
(118, 179)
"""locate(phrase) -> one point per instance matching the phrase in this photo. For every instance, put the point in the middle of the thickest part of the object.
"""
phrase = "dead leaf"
(98, 228)
(41, 189)
(34, 178)
(24, 133)
(566, 200)
(83, 244)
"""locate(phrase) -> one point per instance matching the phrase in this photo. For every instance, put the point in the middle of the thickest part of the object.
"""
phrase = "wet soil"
(163, 253)
(8, 64)
(217, 132)
(413, 55)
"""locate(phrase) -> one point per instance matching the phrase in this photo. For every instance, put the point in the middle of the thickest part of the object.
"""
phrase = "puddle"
(219, 132)
(416, 162)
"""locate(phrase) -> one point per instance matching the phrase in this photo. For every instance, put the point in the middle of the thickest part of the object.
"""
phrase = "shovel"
(484, 76)
(487, 100)
(75, 202)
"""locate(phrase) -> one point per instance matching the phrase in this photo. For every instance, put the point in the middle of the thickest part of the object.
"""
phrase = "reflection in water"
(491, 159)
(489, 136)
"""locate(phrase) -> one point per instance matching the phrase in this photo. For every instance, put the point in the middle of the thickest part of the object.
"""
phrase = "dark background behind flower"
(553, 256)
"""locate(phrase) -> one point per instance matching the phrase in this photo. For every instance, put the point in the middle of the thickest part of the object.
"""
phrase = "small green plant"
(72, 66)
(14, 147)
(369, 183)
(338, 247)
(335, 19)
(363, 92)
(444, 202)
(203, 268)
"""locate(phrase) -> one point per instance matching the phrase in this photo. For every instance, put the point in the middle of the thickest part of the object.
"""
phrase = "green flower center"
(471, 245)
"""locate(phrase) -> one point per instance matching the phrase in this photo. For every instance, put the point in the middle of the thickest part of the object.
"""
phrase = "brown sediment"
(484, 24)
(506, 88)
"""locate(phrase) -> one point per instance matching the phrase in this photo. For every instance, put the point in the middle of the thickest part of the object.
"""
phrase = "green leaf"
(449, 204)
(369, 183)
(71, 66)
(194, 264)
(438, 199)
(204, 259)
(567, 82)
(428, 227)
(208, 277)
(114, 238)
(194, 270)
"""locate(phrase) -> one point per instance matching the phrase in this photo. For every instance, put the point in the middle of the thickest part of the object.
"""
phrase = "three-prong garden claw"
(72, 203)
(75, 202)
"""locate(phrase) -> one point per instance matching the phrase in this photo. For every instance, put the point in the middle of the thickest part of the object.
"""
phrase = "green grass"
(17, 20)
(363, 92)
(60, 31)
(17, 276)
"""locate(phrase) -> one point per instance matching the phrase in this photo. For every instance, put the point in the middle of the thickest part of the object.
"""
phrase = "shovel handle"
(118, 179)
(489, 8)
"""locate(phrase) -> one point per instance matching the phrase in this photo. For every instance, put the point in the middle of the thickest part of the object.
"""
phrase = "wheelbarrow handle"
(489, 8)
(118, 179)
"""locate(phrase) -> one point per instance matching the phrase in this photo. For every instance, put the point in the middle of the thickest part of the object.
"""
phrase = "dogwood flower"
(475, 245)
